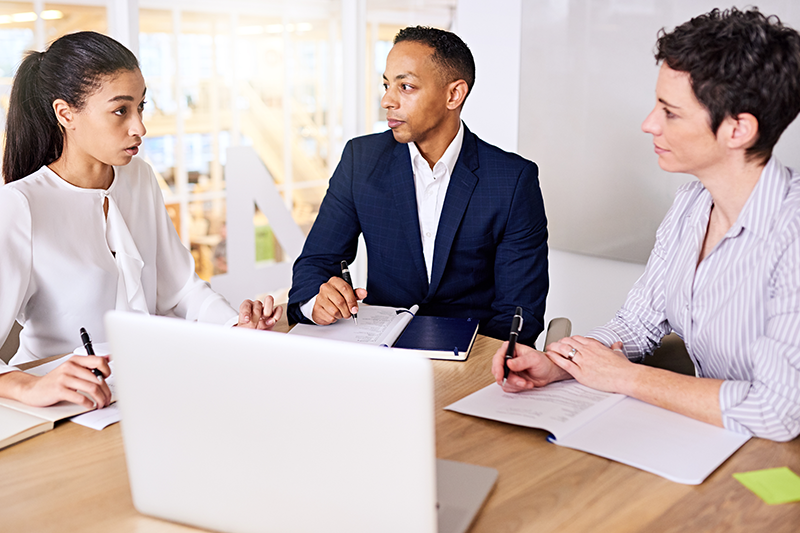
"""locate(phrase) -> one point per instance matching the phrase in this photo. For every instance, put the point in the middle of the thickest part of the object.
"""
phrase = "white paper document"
(614, 426)
(377, 325)
(560, 407)
(99, 418)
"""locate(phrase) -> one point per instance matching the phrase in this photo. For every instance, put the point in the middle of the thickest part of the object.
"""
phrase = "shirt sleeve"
(769, 405)
(308, 308)
(15, 268)
(180, 291)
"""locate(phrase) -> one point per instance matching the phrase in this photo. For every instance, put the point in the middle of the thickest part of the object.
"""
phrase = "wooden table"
(75, 479)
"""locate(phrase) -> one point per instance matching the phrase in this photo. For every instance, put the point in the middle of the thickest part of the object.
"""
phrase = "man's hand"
(530, 368)
(258, 315)
(336, 300)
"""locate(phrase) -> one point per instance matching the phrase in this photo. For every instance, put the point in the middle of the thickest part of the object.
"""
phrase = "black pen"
(87, 343)
(346, 277)
(516, 327)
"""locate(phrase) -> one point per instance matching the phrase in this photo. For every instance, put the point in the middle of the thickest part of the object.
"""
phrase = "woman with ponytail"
(85, 230)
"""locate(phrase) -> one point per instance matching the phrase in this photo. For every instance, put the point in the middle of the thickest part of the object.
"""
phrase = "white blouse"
(64, 264)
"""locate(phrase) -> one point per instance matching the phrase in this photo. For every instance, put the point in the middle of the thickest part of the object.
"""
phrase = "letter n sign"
(249, 182)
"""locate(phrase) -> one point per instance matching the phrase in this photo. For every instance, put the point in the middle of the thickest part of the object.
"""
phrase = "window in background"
(22, 29)
(381, 37)
(218, 80)
(269, 76)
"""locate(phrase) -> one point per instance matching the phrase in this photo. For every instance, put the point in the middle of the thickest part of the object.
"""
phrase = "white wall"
(494, 38)
(587, 290)
(587, 81)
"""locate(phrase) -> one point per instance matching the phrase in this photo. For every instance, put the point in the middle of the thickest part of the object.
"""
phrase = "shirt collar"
(450, 156)
(764, 203)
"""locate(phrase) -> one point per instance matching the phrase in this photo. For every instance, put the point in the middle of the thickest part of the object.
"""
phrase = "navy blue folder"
(440, 337)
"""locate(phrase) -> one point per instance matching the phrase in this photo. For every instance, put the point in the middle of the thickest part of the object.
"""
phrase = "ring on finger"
(571, 354)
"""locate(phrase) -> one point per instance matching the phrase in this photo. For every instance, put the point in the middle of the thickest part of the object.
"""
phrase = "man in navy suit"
(450, 222)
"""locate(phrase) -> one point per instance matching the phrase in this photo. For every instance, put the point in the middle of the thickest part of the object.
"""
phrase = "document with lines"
(613, 426)
(377, 325)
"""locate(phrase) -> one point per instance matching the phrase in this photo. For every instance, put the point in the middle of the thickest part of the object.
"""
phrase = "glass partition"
(269, 77)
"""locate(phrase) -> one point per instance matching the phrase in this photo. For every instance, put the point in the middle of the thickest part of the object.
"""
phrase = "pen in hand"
(87, 343)
(516, 327)
(346, 277)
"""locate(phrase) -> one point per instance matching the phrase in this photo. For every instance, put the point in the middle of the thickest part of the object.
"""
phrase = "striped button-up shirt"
(738, 311)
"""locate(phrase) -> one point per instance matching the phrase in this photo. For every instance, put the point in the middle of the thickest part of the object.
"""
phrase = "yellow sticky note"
(773, 485)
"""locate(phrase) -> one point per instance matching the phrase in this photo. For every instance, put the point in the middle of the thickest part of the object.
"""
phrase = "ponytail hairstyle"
(71, 69)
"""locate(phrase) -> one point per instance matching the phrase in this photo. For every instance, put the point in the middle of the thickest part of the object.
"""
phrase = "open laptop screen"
(241, 430)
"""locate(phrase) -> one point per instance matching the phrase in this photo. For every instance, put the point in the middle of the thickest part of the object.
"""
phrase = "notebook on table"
(19, 421)
(438, 337)
(435, 337)
(239, 430)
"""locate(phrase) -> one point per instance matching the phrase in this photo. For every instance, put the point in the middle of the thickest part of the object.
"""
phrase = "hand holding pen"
(517, 367)
(87, 344)
(349, 280)
(337, 298)
(78, 380)
(516, 327)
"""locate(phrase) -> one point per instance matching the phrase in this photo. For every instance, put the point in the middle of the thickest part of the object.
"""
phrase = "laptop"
(237, 430)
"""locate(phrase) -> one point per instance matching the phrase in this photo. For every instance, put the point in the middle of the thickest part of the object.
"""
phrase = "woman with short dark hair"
(725, 270)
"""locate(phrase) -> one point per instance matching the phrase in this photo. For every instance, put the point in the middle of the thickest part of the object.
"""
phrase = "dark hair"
(71, 69)
(449, 52)
(739, 62)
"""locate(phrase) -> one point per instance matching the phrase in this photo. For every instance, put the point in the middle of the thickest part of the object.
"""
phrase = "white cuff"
(308, 308)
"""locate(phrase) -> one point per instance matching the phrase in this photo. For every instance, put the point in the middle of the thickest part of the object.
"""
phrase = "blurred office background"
(565, 83)
(293, 79)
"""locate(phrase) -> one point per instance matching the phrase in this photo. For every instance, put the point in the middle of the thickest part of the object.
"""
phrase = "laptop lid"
(244, 431)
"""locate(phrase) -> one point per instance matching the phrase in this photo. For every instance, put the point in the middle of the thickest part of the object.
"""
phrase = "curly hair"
(449, 52)
(739, 62)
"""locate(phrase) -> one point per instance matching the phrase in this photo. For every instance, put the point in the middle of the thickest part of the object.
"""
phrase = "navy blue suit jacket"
(490, 253)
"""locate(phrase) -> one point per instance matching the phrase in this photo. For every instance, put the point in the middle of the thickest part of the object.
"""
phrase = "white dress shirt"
(64, 264)
(431, 187)
(738, 311)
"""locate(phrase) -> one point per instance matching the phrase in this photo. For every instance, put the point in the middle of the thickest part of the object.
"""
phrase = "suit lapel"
(405, 197)
(459, 191)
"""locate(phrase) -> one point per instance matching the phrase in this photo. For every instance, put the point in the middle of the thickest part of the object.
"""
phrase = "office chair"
(557, 329)
(671, 355)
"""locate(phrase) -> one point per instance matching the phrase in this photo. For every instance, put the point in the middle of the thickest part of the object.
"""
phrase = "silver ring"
(571, 354)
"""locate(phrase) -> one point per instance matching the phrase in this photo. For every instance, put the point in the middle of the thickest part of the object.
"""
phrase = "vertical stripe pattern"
(738, 311)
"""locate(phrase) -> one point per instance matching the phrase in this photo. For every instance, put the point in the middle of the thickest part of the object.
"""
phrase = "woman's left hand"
(259, 315)
(591, 362)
